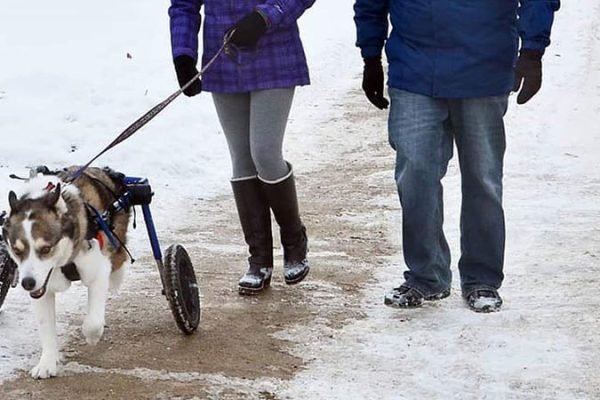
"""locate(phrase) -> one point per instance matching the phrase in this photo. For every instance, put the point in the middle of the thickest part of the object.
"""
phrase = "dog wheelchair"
(179, 283)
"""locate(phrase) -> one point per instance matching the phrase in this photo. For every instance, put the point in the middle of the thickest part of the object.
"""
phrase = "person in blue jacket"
(452, 65)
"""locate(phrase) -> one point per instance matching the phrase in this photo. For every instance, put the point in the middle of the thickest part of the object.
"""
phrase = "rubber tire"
(181, 288)
(6, 266)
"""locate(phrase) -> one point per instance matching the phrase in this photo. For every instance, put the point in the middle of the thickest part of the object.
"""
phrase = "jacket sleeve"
(283, 12)
(184, 17)
(371, 19)
(535, 22)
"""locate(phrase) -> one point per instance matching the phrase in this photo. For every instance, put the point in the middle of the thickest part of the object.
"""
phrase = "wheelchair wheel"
(181, 288)
(7, 268)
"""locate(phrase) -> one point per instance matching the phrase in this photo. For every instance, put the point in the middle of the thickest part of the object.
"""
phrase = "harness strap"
(70, 270)
(100, 239)
(102, 226)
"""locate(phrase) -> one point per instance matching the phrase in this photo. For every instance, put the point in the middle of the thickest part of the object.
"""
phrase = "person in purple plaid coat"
(252, 85)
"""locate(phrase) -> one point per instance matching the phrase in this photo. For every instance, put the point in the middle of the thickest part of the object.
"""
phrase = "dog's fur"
(47, 229)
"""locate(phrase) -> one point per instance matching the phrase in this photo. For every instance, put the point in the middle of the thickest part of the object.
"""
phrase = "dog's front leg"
(93, 325)
(46, 315)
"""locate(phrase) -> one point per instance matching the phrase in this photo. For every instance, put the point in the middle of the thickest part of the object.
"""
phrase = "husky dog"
(49, 227)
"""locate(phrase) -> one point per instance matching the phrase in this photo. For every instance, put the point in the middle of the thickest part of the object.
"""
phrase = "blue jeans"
(422, 131)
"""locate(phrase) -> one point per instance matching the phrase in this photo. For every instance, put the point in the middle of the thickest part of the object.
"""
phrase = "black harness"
(70, 272)
(98, 223)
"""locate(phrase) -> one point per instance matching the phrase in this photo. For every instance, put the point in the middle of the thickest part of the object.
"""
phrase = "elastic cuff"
(371, 52)
(283, 178)
(531, 54)
(185, 52)
(534, 45)
(374, 61)
(265, 18)
(272, 14)
(244, 178)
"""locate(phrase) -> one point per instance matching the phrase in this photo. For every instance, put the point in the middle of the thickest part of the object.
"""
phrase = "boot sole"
(247, 291)
(299, 279)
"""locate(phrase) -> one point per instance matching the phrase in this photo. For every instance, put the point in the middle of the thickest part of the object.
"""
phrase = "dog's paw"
(92, 331)
(46, 368)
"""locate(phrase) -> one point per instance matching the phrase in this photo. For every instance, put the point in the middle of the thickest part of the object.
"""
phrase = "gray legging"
(254, 125)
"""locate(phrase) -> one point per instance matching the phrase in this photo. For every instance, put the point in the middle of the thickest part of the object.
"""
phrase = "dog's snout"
(28, 283)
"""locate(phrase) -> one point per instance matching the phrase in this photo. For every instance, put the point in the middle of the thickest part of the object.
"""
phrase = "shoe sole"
(486, 309)
(299, 279)
(394, 304)
(435, 297)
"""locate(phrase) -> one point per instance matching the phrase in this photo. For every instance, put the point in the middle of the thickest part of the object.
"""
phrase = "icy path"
(544, 344)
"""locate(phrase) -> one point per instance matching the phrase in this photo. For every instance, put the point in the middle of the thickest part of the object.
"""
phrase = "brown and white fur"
(46, 229)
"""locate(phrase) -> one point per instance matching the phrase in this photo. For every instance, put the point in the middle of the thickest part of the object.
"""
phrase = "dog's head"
(38, 236)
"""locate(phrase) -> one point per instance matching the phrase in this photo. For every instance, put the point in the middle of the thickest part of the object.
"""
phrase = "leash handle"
(226, 39)
(149, 115)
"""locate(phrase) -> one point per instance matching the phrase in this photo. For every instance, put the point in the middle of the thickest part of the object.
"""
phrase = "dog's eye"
(18, 252)
(45, 250)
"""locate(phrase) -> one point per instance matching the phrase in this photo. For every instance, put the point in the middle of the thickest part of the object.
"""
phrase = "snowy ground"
(544, 344)
(68, 87)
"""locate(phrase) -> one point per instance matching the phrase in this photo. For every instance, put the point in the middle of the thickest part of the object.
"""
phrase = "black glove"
(185, 67)
(528, 73)
(372, 82)
(248, 30)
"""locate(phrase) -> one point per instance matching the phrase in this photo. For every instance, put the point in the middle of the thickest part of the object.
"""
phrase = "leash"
(148, 116)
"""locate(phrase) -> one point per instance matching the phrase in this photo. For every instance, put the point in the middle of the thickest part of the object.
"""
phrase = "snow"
(543, 344)
(68, 88)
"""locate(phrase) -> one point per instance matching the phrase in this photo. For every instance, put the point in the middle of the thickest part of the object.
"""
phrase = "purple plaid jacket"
(278, 60)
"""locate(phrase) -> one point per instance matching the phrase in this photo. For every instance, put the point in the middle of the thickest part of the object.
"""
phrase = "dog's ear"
(13, 201)
(53, 196)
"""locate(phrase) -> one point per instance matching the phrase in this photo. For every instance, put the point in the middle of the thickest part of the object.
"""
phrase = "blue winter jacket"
(453, 48)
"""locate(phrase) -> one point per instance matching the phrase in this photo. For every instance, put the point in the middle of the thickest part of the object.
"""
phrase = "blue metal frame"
(124, 201)
(152, 232)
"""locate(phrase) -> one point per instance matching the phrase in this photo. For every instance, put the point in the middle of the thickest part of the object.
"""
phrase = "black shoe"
(407, 297)
(255, 280)
(484, 300)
